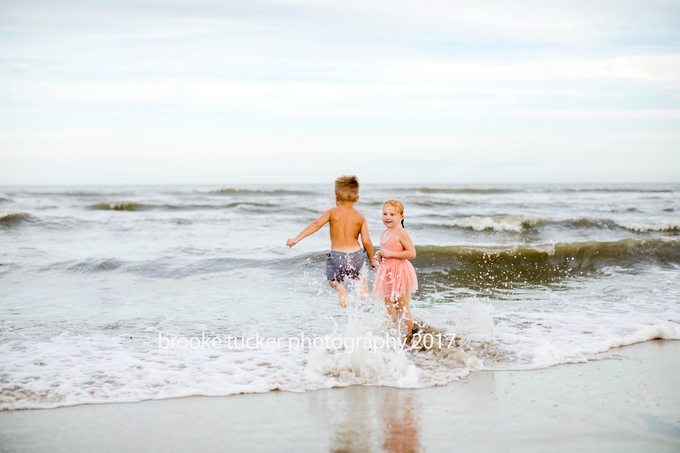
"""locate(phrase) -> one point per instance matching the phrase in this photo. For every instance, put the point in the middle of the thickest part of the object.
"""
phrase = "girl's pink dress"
(395, 276)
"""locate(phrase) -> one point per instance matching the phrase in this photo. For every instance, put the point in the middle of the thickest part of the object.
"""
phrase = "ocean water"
(114, 294)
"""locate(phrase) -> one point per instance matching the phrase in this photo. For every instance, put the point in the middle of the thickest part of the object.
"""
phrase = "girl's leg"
(400, 309)
(391, 307)
(404, 311)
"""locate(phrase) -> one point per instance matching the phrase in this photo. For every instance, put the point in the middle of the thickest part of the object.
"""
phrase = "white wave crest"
(516, 223)
(645, 227)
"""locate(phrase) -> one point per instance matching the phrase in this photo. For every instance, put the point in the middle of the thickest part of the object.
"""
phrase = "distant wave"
(498, 190)
(371, 203)
(465, 190)
(5, 268)
(77, 193)
(165, 267)
(95, 265)
(4, 200)
(86, 194)
(507, 267)
(503, 223)
(644, 227)
(237, 204)
(618, 190)
(187, 263)
(252, 205)
(8, 219)
(515, 223)
(518, 223)
(133, 206)
(232, 191)
(120, 206)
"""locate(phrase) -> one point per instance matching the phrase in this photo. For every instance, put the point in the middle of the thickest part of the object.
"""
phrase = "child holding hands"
(346, 258)
(396, 278)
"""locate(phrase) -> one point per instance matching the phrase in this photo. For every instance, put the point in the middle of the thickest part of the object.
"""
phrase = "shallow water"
(94, 279)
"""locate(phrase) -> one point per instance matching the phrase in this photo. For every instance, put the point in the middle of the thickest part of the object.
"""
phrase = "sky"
(301, 91)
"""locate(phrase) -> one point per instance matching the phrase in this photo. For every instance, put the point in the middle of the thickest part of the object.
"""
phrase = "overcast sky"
(287, 91)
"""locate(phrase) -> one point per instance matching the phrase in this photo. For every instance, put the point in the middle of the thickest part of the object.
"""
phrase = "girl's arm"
(311, 228)
(409, 249)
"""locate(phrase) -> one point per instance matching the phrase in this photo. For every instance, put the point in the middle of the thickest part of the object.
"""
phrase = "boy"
(346, 257)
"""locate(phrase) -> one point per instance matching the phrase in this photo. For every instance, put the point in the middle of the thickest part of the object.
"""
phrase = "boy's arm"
(368, 245)
(311, 228)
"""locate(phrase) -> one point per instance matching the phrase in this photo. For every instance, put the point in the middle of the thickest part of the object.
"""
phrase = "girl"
(396, 279)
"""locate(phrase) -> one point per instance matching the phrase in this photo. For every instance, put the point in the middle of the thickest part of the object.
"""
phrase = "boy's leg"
(362, 267)
(352, 267)
(360, 274)
(363, 281)
(355, 269)
(342, 292)
(334, 264)
(364, 287)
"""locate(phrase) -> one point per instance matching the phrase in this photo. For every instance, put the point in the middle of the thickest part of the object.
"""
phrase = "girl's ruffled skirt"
(394, 278)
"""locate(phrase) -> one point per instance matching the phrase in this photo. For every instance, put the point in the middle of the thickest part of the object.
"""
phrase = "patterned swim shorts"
(341, 265)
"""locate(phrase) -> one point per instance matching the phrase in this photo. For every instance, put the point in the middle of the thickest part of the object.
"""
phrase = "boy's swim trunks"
(340, 265)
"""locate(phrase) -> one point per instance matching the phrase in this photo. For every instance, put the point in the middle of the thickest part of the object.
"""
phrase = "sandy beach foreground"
(629, 401)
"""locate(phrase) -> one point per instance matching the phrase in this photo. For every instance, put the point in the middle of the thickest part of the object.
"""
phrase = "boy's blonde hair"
(347, 188)
(396, 204)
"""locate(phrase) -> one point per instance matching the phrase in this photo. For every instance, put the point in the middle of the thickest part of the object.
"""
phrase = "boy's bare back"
(346, 224)
(346, 258)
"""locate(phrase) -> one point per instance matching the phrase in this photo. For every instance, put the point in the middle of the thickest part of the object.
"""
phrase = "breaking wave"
(518, 223)
(645, 227)
(120, 206)
(482, 191)
(9, 219)
(233, 191)
(504, 223)
(509, 267)
(133, 206)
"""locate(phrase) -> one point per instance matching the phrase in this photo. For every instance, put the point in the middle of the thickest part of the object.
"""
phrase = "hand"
(374, 263)
(291, 242)
(385, 254)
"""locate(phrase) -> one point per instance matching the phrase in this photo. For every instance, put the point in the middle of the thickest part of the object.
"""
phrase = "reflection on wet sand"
(399, 415)
(371, 419)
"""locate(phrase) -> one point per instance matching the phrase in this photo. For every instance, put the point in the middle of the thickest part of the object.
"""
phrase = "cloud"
(63, 134)
(550, 21)
(593, 114)
(13, 68)
(653, 68)
(397, 87)
(264, 81)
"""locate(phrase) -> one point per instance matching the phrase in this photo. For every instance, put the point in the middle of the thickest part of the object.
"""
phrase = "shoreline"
(628, 400)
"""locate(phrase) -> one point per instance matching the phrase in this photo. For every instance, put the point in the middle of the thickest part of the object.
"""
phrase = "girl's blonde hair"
(396, 204)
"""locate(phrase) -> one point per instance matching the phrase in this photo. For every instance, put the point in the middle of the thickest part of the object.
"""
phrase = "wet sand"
(627, 402)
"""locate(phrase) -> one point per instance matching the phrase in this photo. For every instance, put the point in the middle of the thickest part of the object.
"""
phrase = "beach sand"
(628, 402)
